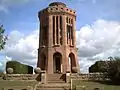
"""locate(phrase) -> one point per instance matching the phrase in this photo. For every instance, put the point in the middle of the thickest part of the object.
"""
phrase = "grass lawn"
(21, 84)
(90, 85)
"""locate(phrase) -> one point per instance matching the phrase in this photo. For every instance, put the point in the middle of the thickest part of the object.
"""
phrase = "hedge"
(19, 68)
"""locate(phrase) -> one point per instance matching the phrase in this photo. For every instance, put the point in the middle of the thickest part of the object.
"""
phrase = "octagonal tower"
(57, 51)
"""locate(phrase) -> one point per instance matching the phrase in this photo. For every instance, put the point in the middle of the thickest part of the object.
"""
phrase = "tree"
(114, 70)
(111, 67)
(3, 38)
(99, 66)
(111, 58)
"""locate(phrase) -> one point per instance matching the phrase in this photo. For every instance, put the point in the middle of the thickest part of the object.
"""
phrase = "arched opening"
(57, 62)
(72, 61)
(43, 61)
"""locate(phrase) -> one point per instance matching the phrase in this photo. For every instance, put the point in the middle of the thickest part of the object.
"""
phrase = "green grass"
(90, 85)
(5, 84)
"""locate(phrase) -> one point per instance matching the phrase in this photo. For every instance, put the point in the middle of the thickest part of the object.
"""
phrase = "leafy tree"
(99, 66)
(111, 58)
(3, 38)
(112, 68)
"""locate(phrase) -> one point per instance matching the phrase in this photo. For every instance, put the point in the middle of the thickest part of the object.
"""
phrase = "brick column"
(58, 29)
(70, 36)
(64, 62)
(55, 31)
(77, 63)
(50, 61)
(64, 31)
(50, 40)
(74, 32)
(64, 40)
(50, 32)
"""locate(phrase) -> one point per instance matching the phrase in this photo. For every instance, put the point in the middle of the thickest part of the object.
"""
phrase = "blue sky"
(20, 18)
(22, 14)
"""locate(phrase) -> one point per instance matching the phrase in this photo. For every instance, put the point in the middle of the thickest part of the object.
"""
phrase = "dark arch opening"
(57, 58)
(72, 61)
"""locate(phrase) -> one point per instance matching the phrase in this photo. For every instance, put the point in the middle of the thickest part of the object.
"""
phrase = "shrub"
(19, 68)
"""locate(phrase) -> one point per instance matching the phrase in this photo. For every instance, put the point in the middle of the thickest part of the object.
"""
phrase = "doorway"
(57, 62)
(72, 62)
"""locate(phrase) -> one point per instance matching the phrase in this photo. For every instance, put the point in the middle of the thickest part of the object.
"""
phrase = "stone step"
(51, 89)
(55, 81)
(53, 86)
(56, 77)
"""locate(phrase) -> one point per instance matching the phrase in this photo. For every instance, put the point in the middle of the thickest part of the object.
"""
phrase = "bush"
(19, 68)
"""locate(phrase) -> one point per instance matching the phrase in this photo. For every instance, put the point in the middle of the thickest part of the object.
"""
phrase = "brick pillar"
(50, 40)
(58, 29)
(74, 32)
(64, 40)
(50, 32)
(64, 63)
(77, 63)
(55, 31)
(70, 37)
(64, 31)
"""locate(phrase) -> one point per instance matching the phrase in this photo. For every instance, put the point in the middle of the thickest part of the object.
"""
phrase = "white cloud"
(98, 41)
(22, 48)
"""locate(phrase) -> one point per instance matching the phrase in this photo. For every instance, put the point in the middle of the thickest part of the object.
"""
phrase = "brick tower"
(57, 51)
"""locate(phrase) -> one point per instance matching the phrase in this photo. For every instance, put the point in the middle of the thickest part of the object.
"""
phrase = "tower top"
(57, 4)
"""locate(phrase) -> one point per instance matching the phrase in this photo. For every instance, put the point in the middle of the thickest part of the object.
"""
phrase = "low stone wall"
(90, 76)
(20, 77)
(39, 77)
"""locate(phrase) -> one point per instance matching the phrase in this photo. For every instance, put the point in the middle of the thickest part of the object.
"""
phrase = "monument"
(57, 55)
(57, 52)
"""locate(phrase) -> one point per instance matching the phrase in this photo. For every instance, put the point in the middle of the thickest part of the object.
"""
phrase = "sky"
(97, 30)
